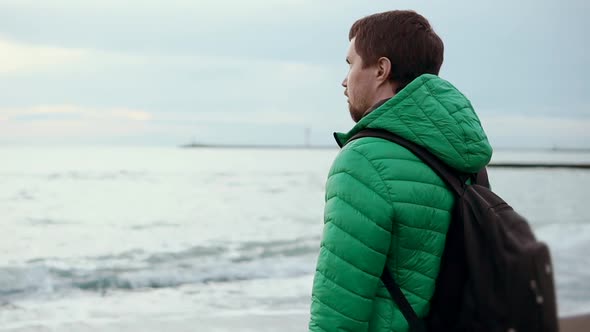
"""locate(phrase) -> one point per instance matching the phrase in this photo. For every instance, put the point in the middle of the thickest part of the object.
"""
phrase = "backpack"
(494, 274)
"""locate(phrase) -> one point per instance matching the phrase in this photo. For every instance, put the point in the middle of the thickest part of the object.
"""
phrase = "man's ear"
(383, 69)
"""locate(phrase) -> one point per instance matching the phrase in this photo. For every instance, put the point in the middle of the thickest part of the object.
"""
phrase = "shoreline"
(247, 322)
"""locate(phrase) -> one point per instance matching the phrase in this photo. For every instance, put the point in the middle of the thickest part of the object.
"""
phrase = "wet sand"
(578, 323)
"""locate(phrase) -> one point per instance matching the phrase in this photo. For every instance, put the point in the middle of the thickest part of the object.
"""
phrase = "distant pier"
(307, 146)
(539, 165)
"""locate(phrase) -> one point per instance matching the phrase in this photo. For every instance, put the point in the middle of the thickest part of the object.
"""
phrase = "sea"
(214, 239)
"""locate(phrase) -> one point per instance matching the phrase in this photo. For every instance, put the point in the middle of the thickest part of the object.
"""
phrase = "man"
(385, 209)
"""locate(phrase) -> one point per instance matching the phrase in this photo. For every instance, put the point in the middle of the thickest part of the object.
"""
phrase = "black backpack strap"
(416, 325)
(454, 179)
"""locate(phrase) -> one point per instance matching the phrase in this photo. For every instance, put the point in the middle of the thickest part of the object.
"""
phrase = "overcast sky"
(143, 72)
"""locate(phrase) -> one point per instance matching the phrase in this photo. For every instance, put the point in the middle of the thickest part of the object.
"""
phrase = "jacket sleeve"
(354, 246)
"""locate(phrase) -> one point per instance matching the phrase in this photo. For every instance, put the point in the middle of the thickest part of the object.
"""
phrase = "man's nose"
(345, 82)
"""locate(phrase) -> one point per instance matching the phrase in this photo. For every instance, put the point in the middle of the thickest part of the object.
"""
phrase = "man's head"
(387, 51)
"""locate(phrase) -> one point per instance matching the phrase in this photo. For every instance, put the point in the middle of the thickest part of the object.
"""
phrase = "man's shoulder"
(375, 149)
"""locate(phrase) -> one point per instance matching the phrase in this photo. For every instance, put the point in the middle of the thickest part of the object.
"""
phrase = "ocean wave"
(87, 175)
(138, 269)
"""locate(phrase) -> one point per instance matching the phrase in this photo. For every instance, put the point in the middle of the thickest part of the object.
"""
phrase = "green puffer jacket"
(384, 207)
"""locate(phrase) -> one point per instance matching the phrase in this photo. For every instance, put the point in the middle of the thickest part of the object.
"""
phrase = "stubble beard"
(356, 113)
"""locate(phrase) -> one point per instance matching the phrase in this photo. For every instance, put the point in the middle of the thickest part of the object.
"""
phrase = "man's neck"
(387, 93)
(384, 93)
(375, 106)
(380, 101)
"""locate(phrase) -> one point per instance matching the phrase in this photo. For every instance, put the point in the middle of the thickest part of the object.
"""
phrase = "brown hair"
(405, 38)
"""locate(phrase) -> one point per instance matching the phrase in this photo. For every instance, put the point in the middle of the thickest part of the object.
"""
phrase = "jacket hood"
(432, 113)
